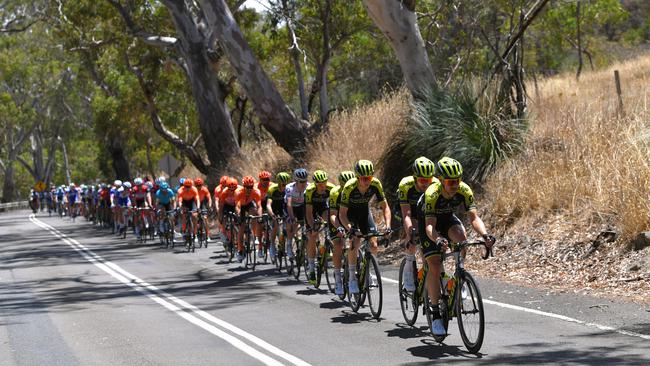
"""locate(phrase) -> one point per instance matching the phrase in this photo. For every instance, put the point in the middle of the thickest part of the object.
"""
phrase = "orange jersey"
(187, 194)
(204, 193)
(218, 189)
(242, 197)
(263, 188)
(227, 197)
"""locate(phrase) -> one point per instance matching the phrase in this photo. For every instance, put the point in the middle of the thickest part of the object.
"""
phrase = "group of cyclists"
(427, 203)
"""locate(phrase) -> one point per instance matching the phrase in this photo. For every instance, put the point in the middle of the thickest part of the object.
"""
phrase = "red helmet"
(188, 182)
(248, 181)
(232, 183)
(198, 182)
(224, 180)
(265, 175)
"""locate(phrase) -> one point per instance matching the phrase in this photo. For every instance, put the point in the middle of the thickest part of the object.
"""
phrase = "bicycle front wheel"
(374, 288)
(408, 301)
(470, 314)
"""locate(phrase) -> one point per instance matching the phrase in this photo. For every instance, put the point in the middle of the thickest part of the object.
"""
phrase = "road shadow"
(406, 331)
(350, 317)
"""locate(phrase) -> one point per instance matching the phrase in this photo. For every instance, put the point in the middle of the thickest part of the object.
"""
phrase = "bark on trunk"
(287, 130)
(398, 22)
(9, 188)
(214, 119)
(120, 163)
(66, 163)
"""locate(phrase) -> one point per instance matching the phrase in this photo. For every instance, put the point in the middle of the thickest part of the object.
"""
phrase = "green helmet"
(448, 168)
(345, 176)
(320, 176)
(364, 168)
(423, 167)
(283, 177)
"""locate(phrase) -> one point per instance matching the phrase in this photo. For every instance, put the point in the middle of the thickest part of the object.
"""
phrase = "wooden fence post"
(617, 79)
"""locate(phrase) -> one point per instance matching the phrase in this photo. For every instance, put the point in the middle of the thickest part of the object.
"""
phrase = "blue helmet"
(164, 185)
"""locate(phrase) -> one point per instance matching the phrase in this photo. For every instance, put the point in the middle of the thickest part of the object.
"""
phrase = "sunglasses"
(424, 180)
(367, 178)
(301, 181)
(451, 182)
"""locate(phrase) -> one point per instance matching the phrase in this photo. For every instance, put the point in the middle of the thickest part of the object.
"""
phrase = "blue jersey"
(123, 201)
(165, 199)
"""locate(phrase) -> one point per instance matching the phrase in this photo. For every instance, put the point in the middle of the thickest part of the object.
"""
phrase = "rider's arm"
(269, 207)
(387, 216)
(430, 228)
(309, 215)
(343, 217)
(289, 207)
(408, 224)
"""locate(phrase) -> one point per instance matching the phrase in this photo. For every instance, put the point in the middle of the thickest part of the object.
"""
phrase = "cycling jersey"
(164, 197)
(187, 194)
(436, 205)
(319, 201)
(123, 200)
(407, 194)
(227, 197)
(351, 196)
(335, 198)
(218, 189)
(277, 199)
(245, 197)
(140, 192)
(297, 196)
(204, 193)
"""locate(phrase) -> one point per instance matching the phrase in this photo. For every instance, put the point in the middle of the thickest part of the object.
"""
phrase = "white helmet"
(117, 183)
(127, 185)
(162, 179)
(137, 181)
(121, 189)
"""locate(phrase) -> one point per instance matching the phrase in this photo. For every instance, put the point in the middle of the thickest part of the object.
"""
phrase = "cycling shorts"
(361, 218)
(443, 224)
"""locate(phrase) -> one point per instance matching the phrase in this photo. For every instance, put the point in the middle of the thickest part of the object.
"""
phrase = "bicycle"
(266, 235)
(189, 230)
(201, 230)
(231, 230)
(143, 225)
(370, 284)
(300, 258)
(167, 233)
(281, 254)
(460, 297)
(325, 265)
(249, 253)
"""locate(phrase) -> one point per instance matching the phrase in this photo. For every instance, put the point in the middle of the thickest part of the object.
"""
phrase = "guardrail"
(4, 207)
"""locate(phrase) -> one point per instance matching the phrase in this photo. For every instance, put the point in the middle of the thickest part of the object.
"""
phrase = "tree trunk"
(214, 120)
(398, 22)
(66, 163)
(325, 62)
(579, 36)
(287, 130)
(9, 188)
(295, 59)
(120, 163)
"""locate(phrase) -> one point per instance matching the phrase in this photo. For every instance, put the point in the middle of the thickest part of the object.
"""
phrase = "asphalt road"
(74, 295)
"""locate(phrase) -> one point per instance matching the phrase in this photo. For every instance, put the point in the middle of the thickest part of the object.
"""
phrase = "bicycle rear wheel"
(374, 287)
(443, 314)
(408, 301)
(469, 311)
(356, 300)
(297, 261)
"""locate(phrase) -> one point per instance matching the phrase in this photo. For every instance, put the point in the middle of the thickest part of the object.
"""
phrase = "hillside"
(566, 208)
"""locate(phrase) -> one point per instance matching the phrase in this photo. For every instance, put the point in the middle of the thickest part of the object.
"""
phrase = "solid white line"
(151, 291)
(552, 315)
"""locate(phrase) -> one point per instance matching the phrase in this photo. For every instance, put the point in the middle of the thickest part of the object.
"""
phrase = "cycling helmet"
(233, 183)
(138, 181)
(72, 185)
(164, 185)
(162, 179)
(148, 184)
(364, 168)
(423, 167)
(121, 189)
(283, 177)
(127, 185)
(117, 183)
(248, 181)
(345, 176)
(448, 168)
(300, 174)
(264, 175)
(224, 180)
(187, 182)
(320, 176)
(198, 182)
(181, 181)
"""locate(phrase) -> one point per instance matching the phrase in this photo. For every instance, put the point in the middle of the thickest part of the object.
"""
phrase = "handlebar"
(457, 247)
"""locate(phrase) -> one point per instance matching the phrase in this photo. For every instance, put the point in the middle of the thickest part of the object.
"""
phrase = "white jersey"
(297, 197)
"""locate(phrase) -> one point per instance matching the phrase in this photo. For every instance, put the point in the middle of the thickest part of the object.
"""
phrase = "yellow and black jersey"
(352, 197)
(312, 197)
(407, 194)
(437, 205)
(335, 198)
(276, 195)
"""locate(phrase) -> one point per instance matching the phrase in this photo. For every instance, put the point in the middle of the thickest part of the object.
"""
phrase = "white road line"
(157, 295)
(552, 315)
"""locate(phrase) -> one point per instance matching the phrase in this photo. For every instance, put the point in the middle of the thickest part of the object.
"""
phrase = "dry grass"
(583, 157)
(361, 133)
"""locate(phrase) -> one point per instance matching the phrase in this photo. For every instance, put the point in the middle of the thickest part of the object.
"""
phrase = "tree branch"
(137, 31)
(29, 168)
(2, 166)
(9, 29)
(188, 150)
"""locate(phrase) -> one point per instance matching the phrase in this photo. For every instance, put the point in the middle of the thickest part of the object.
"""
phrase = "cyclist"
(275, 206)
(263, 186)
(122, 201)
(335, 235)
(74, 199)
(438, 206)
(247, 201)
(408, 193)
(188, 199)
(141, 200)
(316, 205)
(294, 196)
(227, 200)
(354, 212)
(165, 203)
(223, 184)
(206, 203)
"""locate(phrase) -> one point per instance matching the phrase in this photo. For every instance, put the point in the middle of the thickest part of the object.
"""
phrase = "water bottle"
(445, 282)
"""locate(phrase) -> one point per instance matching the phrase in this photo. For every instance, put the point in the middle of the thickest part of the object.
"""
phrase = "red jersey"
(204, 193)
(187, 194)
(227, 197)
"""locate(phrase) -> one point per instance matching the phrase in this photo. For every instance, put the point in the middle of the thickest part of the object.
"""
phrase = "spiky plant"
(478, 132)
